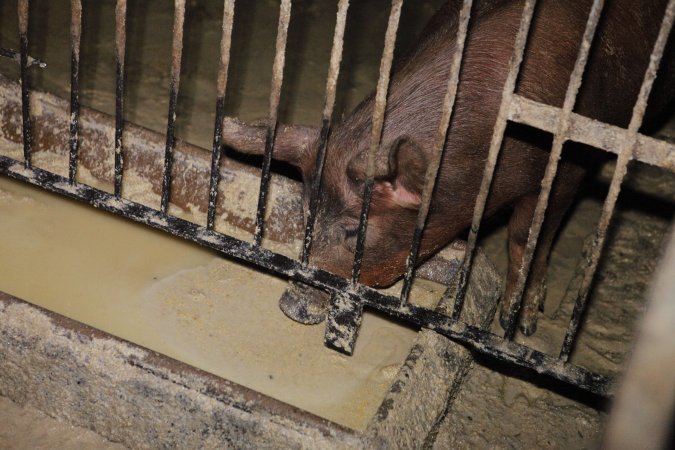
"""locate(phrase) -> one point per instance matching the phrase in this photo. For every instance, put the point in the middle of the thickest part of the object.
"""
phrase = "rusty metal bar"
(458, 285)
(25, 83)
(221, 87)
(344, 317)
(275, 95)
(343, 322)
(474, 337)
(75, 39)
(174, 86)
(551, 168)
(376, 131)
(592, 132)
(439, 148)
(625, 155)
(120, 56)
(329, 103)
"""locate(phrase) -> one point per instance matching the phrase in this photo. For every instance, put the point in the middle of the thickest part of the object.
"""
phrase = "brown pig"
(618, 59)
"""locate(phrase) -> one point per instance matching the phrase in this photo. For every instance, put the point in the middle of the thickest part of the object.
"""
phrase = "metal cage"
(349, 297)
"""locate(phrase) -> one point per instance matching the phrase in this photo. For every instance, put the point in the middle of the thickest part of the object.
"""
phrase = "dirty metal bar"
(592, 132)
(221, 87)
(75, 38)
(275, 94)
(329, 103)
(376, 131)
(25, 83)
(439, 149)
(514, 303)
(120, 56)
(623, 159)
(354, 310)
(458, 285)
(343, 322)
(174, 86)
(316, 186)
(16, 57)
(479, 340)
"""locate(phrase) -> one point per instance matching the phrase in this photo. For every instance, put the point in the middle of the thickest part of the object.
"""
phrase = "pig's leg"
(570, 175)
(535, 291)
(519, 225)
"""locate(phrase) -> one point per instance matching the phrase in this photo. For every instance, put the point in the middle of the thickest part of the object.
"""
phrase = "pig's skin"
(611, 83)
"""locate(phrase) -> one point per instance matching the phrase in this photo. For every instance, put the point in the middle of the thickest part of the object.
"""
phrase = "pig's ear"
(404, 181)
(293, 144)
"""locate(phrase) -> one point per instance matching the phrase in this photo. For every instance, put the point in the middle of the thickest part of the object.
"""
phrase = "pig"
(612, 79)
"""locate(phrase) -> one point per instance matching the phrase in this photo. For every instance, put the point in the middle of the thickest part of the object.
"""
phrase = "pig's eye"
(356, 182)
(351, 231)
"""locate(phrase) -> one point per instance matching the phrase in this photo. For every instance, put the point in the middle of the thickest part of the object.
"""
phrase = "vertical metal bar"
(75, 38)
(560, 137)
(120, 56)
(221, 87)
(275, 94)
(626, 154)
(376, 131)
(174, 86)
(329, 103)
(343, 322)
(25, 83)
(458, 287)
(439, 148)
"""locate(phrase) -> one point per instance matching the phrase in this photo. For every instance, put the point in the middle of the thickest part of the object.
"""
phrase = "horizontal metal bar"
(592, 132)
(16, 57)
(473, 337)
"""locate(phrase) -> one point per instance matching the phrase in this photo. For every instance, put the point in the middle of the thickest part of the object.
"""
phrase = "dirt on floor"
(498, 407)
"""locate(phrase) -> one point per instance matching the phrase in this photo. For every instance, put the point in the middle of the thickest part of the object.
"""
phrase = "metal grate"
(348, 295)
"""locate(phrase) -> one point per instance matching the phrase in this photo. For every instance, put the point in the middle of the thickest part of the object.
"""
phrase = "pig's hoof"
(502, 320)
(528, 329)
(304, 304)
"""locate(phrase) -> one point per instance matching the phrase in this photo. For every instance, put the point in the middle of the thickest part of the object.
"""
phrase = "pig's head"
(400, 166)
